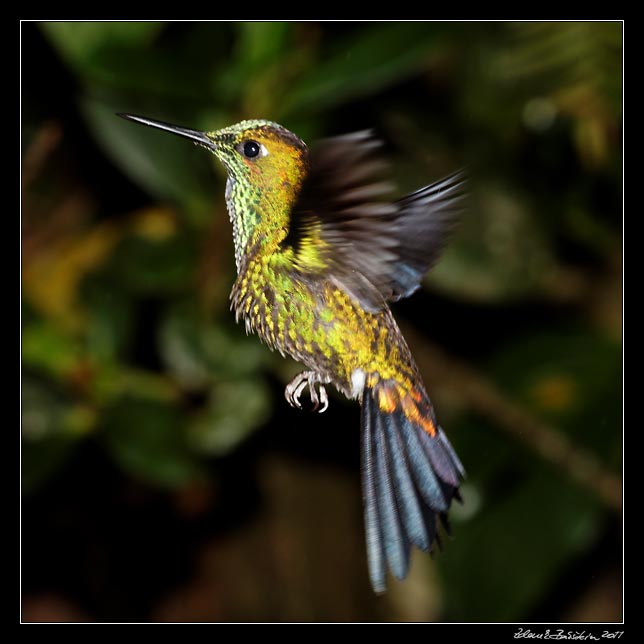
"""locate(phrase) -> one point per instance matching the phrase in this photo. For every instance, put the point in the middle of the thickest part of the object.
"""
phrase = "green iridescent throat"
(259, 214)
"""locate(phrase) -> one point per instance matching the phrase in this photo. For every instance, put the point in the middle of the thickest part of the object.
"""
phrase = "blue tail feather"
(375, 553)
(410, 506)
(395, 540)
(409, 480)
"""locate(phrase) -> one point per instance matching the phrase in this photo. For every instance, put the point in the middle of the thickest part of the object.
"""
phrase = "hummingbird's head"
(257, 153)
(266, 165)
(262, 153)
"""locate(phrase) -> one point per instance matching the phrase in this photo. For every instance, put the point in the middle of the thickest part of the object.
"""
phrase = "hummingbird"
(321, 248)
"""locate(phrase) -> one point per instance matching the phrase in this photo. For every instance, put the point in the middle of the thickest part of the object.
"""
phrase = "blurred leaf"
(110, 318)
(51, 426)
(48, 349)
(43, 409)
(377, 56)
(46, 412)
(78, 41)
(259, 71)
(113, 381)
(165, 165)
(265, 68)
(197, 350)
(145, 265)
(122, 60)
(234, 411)
(155, 224)
(261, 42)
(51, 278)
(147, 439)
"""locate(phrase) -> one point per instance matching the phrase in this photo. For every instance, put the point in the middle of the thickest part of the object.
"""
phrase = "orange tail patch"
(391, 396)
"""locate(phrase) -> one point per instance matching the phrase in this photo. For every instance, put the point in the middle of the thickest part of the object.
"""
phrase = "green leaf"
(364, 63)
(43, 409)
(77, 41)
(147, 438)
(48, 349)
(165, 165)
(260, 43)
(235, 410)
(114, 380)
(154, 266)
(124, 60)
(51, 427)
(197, 349)
(110, 318)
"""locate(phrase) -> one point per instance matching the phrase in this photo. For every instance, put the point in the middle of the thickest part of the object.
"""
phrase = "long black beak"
(195, 135)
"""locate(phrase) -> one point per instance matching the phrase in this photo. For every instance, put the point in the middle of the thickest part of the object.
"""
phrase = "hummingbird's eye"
(251, 149)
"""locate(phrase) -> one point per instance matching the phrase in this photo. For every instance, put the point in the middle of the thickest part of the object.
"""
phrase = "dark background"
(164, 476)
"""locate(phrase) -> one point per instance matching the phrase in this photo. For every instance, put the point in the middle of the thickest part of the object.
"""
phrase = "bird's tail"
(410, 474)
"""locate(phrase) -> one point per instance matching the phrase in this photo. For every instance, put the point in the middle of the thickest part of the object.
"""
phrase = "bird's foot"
(295, 388)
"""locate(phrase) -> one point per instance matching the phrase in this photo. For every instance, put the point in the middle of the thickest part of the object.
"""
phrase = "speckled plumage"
(320, 325)
(320, 249)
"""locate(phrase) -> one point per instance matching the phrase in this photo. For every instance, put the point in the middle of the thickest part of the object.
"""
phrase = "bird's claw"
(309, 379)
(316, 399)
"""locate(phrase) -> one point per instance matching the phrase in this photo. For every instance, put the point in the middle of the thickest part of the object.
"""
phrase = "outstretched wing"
(375, 248)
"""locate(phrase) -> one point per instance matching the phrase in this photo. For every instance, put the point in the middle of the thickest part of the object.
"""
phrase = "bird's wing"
(374, 248)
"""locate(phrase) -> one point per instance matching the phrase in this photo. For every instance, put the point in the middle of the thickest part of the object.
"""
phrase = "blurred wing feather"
(376, 249)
